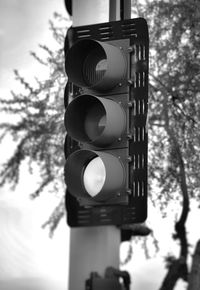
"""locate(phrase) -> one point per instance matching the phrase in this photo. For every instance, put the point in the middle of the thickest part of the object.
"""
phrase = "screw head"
(128, 158)
(128, 191)
(130, 82)
(130, 49)
(129, 136)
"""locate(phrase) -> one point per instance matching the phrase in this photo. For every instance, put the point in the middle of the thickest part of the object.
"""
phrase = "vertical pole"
(114, 10)
(125, 11)
(119, 10)
(92, 249)
(87, 12)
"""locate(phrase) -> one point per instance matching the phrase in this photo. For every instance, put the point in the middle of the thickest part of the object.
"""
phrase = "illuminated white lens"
(94, 176)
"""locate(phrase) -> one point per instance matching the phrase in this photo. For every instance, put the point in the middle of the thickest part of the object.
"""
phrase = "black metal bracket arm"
(116, 274)
(110, 281)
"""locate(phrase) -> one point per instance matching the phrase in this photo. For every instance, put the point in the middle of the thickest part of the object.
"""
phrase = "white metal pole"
(114, 10)
(92, 249)
(90, 12)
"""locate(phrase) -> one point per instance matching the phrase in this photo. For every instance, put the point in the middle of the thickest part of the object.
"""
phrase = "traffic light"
(106, 102)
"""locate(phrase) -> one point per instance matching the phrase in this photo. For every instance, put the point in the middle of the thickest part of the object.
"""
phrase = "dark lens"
(95, 121)
(94, 66)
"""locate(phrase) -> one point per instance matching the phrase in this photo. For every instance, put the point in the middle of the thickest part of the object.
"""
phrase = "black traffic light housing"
(106, 102)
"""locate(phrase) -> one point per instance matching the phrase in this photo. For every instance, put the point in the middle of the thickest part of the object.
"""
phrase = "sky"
(28, 258)
(23, 25)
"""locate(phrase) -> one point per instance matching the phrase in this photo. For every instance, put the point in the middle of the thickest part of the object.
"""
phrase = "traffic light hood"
(95, 120)
(110, 172)
(95, 65)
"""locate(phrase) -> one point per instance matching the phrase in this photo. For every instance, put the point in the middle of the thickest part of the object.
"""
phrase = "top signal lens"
(95, 65)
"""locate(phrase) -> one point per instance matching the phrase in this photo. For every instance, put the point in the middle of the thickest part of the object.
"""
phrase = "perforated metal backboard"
(133, 33)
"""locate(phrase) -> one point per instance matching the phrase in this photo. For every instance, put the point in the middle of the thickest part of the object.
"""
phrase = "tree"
(174, 117)
(174, 113)
(37, 127)
(195, 271)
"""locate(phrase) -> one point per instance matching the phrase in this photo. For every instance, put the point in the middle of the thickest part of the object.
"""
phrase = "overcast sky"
(28, 258)
(23, 25)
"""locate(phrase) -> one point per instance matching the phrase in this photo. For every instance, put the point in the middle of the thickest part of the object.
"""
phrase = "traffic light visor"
(95, 65)
(98, 121)
(94, 174)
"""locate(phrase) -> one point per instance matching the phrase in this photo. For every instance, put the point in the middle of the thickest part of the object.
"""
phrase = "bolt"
(130, 49)
(129, 136)
(128, 191)
(129, 158)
